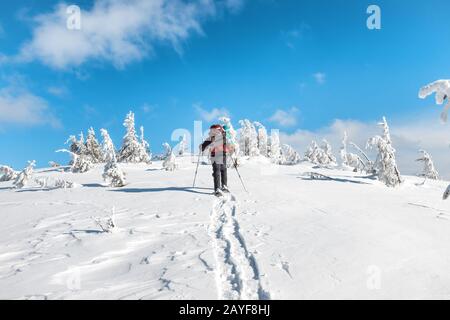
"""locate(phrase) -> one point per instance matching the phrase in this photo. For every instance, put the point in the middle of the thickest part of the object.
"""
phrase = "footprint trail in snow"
(237, 272)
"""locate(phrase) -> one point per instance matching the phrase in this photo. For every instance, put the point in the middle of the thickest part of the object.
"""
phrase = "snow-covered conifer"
(442, 90)
(80, 163)
(313, 153)
(146, 154)
(326, 156)
(232, 136)
(7, 173)
(76, 146)
(274, 147)
(262, 139)
(289, 156)
(429, 171)
(132, 150)
(92, 147)
(385, 164)
(248, 141)
(111, 172)
(24, 176)
(169, 162)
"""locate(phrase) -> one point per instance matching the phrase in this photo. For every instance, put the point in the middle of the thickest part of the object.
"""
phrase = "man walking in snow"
(218, 150)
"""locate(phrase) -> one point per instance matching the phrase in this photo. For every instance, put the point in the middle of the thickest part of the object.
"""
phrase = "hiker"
(217, 143)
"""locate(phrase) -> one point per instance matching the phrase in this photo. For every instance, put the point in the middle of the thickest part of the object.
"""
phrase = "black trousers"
(219, 175)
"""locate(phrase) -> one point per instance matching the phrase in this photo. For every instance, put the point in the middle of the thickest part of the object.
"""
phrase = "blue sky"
(293, 65)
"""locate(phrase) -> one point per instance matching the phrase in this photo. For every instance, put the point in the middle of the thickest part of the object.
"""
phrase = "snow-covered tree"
(248, 139)
(320, 155)
(92, 147)
(169, 162)
(429, 171)
(145, 148)
(312, 153)
(182, 146)
(326, 157)
(132, 150)
(385, 164)
(368, 165)
(262, 139)
(442, 90)
(76, 146)
(232, 136)
(111, 172)
(25, 176)
(274, 151)
(348, 159)
(7, 173)
(289, 156)
(80, 163)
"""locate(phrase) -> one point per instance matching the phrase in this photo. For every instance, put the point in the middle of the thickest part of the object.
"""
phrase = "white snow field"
(291, 237)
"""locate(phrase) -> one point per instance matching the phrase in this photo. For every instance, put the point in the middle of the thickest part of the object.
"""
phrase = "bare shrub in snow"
(289, 156)
(107, 225)
(429, 170)
(111, 172)
(64, 184)
(93, 148)
(7, 173)
(385, 164)
(442, 90)
(132, 150)
(25, 176)
(41, 181)
(54, 164)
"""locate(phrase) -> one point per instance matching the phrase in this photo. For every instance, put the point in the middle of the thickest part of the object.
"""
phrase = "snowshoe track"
(237, 272)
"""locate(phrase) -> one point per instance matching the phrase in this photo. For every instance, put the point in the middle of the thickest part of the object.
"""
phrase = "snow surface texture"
(296, 235)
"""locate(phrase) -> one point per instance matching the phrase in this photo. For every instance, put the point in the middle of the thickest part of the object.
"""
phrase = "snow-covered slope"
(291, 237)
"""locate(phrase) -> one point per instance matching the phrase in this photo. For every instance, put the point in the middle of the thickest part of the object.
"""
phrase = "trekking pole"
(196, 170)
(239, 175)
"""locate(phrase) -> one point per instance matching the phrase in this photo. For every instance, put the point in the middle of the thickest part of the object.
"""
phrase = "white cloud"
(285, 118)
(18, 106)
(407, 137)
(320, 77)
(58, 91)
(211, 115)
(117, 31)
(293, 36)
(234, 5)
